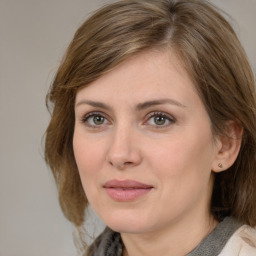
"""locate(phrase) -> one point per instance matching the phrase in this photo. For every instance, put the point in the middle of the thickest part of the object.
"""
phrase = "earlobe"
(228, 147)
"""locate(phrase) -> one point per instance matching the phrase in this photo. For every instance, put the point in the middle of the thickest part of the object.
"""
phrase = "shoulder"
(241, 243)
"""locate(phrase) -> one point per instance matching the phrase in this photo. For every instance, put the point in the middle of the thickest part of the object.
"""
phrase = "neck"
(178, 239)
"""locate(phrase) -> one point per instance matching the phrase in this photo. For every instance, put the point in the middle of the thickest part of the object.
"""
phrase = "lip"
(126, 190)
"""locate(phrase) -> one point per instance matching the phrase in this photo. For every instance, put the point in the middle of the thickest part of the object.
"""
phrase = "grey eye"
(98, 120)
(95, 120)
(160, 120)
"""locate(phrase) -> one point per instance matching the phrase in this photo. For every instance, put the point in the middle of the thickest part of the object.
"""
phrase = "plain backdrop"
(33, 37)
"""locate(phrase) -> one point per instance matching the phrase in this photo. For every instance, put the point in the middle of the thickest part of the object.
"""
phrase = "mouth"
(126, 190)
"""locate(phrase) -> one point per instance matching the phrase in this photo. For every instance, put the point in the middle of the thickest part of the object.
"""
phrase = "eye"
(95, 119)
(159, 119)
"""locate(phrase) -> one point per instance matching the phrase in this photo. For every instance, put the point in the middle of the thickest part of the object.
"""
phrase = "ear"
(228, 147)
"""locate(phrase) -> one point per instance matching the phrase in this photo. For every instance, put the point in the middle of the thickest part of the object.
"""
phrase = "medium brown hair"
(211, 53)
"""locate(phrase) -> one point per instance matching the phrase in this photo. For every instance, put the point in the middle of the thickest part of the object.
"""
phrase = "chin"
(127, 228)
(124, 222)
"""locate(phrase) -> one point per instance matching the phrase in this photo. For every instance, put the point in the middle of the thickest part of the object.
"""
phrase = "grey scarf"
(109, 243)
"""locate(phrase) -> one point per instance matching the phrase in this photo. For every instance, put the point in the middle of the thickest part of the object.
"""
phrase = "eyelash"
(164, 115)
(85, 119)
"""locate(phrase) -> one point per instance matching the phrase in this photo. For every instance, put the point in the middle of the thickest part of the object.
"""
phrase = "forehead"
(149, 74)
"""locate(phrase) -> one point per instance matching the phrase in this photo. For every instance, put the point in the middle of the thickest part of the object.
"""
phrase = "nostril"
(121, 165)
(123, 159)
(128, 163)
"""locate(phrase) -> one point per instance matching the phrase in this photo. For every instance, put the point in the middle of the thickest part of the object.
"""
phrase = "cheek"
(89, 157)
(184, 174)
(184, 161)
(88, 161)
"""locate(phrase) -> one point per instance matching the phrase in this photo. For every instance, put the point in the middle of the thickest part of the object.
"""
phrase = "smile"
(126, 190)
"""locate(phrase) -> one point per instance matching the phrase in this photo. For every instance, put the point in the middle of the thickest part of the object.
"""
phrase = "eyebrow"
(138, 107)
(150, 103)
(93, 104)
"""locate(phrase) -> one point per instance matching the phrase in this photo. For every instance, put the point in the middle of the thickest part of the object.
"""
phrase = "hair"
(212, 55)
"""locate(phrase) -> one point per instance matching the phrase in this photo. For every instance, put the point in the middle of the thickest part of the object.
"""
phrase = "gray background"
(33, 37)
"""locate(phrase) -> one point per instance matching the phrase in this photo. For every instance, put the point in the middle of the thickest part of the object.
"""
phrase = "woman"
(153, 125)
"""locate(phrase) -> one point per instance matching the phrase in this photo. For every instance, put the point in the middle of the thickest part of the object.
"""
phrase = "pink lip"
(126, 190)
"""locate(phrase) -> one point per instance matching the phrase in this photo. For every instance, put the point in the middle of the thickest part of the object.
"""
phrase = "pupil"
(98, 120)
(159, 120)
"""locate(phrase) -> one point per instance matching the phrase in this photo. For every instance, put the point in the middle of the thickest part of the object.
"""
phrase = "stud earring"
(220, 165)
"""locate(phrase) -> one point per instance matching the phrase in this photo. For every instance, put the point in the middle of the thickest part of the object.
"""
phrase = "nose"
(123, 151)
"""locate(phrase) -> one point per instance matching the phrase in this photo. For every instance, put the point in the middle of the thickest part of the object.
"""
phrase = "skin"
(117, 136)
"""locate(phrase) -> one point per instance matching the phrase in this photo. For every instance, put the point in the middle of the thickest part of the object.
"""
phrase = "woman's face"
(144, 146)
